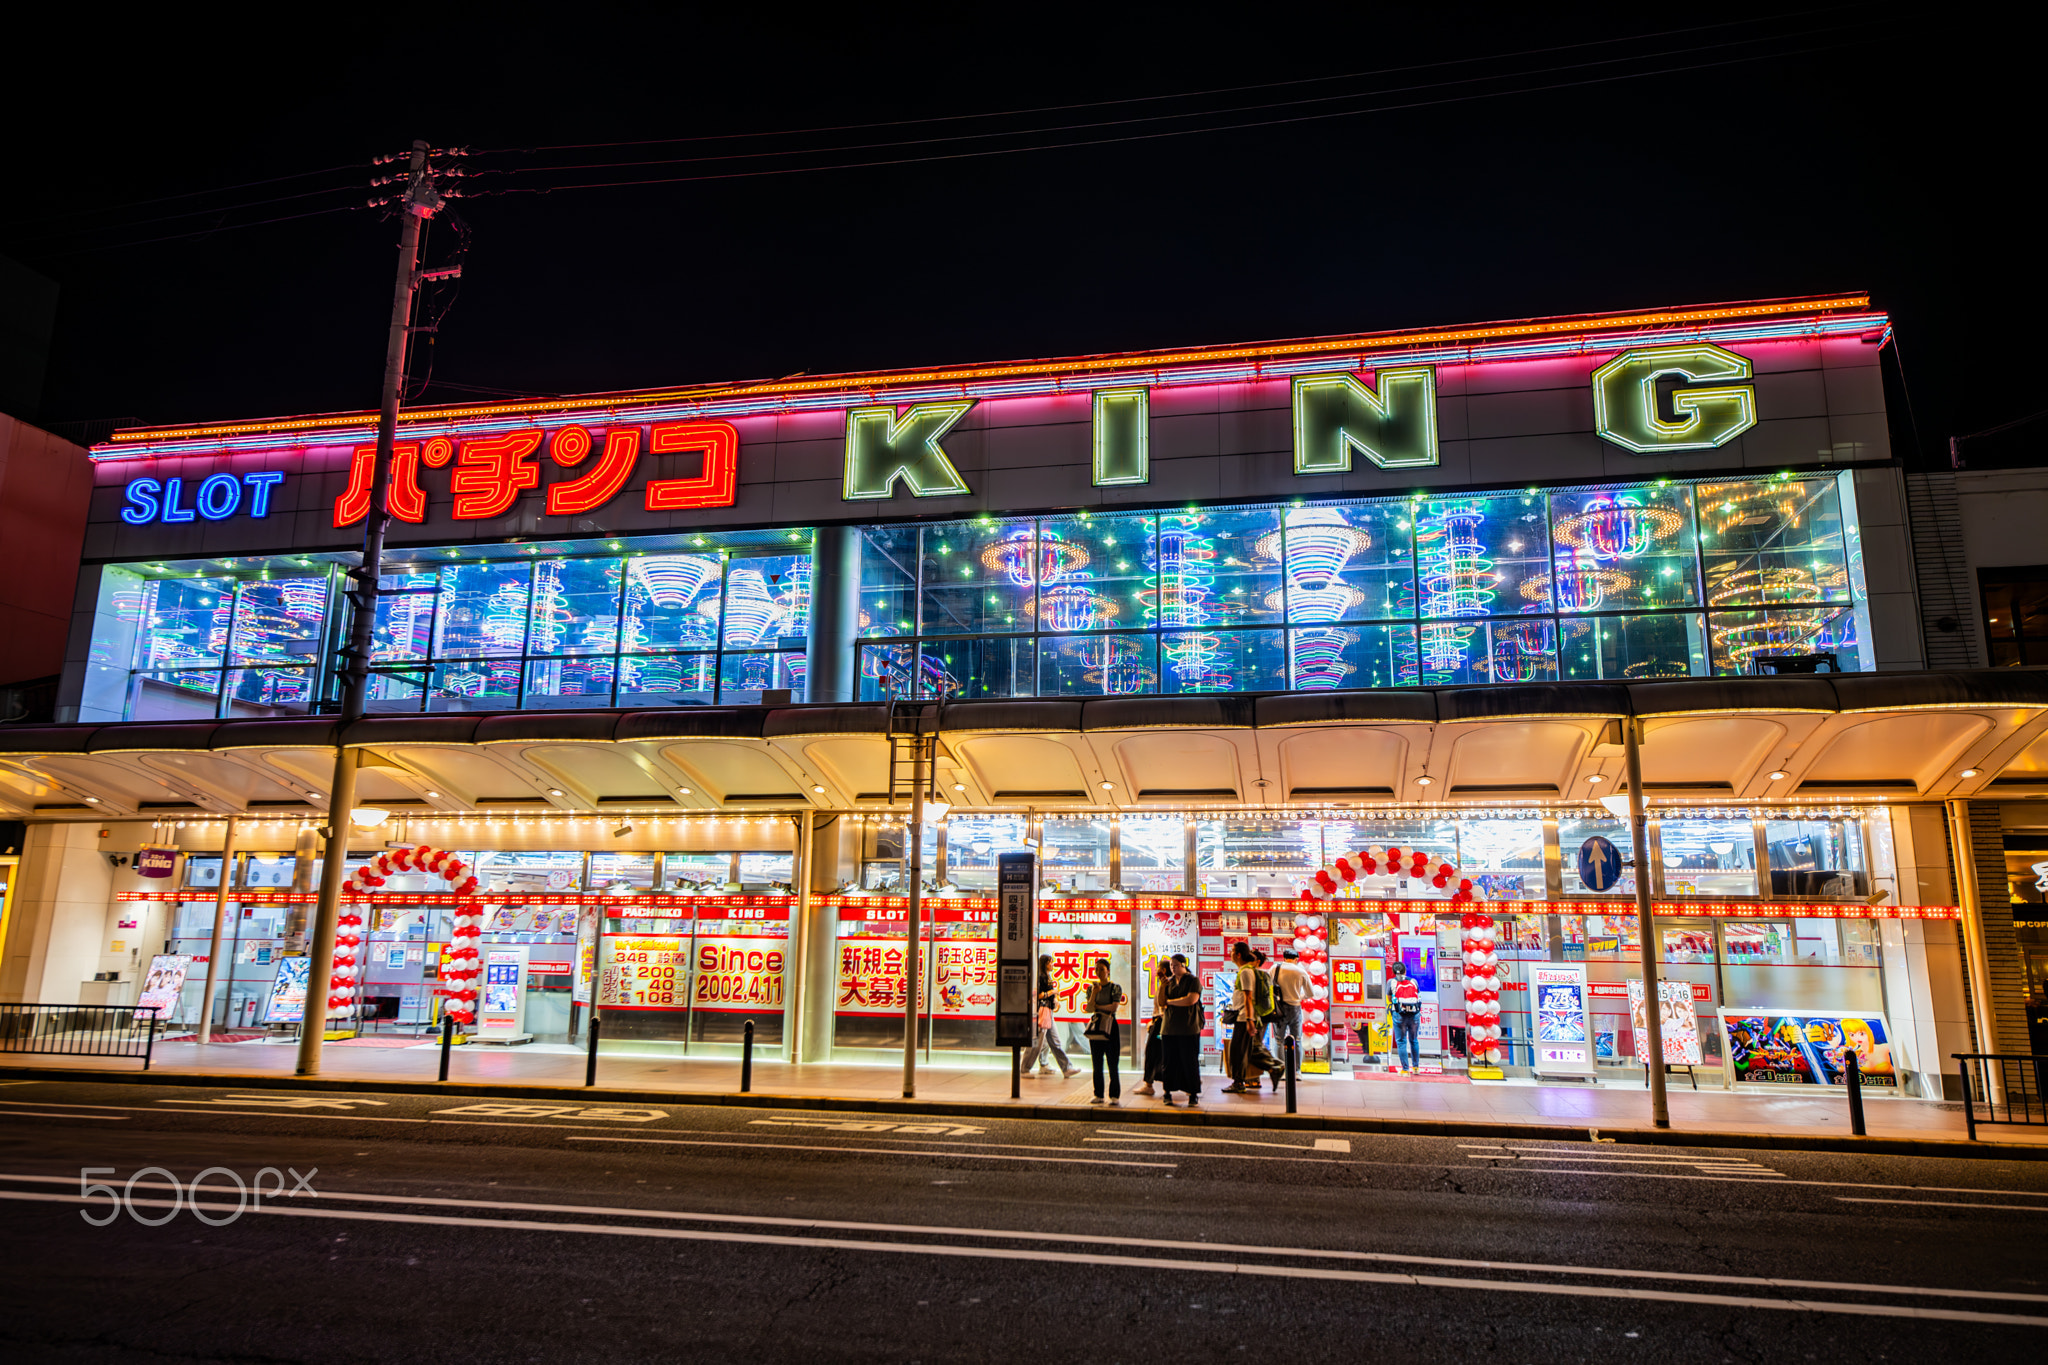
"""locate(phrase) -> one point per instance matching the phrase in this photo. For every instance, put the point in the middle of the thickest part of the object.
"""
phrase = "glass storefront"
(1615, 581)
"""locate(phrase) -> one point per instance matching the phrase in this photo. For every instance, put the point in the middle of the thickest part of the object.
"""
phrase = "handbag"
(1045, 1016)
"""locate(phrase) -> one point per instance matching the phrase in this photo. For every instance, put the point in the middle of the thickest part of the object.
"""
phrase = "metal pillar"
(1639, 833)
(912, 978)
(220, 914)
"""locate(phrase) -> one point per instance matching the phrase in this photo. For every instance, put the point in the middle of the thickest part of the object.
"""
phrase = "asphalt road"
(448, 1229)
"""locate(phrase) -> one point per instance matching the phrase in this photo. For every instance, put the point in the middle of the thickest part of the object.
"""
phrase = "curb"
(1218, 1117)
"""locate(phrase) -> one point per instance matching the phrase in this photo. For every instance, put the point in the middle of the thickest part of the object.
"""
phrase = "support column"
(220, 914)
(835, 614)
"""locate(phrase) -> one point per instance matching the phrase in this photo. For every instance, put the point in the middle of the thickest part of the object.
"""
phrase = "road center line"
(1103, 1239)
(1069, 1257)
(871, 1151)
(33, 1114)
(1946, 1204)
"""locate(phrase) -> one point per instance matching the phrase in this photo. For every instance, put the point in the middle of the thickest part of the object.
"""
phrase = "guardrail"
(80, 1030)
(2007, 1087)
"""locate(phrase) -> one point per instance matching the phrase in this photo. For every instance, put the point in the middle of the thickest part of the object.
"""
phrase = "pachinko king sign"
(1606, 395)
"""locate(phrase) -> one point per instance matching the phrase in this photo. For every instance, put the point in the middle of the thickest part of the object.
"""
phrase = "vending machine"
(502, 1018)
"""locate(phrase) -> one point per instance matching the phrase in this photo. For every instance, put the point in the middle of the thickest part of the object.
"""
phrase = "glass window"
(268, 869)
(1095, 573)
(477, 685)
(767, 602)
(982, 577)
(1482, 556)
(1255, 855)
(1623, 548)
(1772, 543)
(1097, 665)
(202, 869)
(742, 678)
(668, 680)
(1572, 834)
(184, 622)
(575, 607)
(279, 621)
(888, 580)
(1503, 859)
(974, 842)
(173, 696)
(1503, 651)
(1436, 838)
(1740, 636)
(404, 628)
(530, 871)
(1154, 851)
(269, 691)
(980, 668)
(671, 602)
(1817, 858)
(1709, 858)
(1219, 568)
(695, 872)
(618, 873)
(395, 693)
(1224, 661)
(1631, 647)
(557, 684)
(1350, 563)
(888, 671)
(1075, 854)
(483, 609)
(762, 870)
(1325, 657)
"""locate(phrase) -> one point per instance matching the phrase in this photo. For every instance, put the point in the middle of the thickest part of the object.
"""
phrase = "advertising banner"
(643, 971)
(1678, 1021)
(155, 862)
(1560, 1030)
(1014, 984)
(162, 986)
(739, 972)
(1769, 1047)
(585, 960)
(288, 991)
(1161, 934)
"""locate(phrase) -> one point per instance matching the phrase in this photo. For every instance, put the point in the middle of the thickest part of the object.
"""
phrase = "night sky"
(1803, 151)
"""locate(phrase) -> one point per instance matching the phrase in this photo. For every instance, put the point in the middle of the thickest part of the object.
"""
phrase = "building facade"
(1203, 622)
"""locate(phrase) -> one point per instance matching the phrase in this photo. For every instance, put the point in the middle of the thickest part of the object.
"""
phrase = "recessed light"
(1109, 786)
(1780, 775)
(959, 786)
(1596, 777)
(682, 791)
(556, 791)
(1969, 772)
(818, 789)
(1424, 780)
(92, 800)
(433, 796)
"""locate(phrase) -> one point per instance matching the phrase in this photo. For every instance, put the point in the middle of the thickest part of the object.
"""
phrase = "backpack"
(1263, 1002)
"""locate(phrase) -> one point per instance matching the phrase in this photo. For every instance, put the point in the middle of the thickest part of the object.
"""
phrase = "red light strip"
(868, 382)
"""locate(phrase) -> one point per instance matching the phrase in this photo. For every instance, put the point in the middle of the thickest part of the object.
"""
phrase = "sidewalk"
(1365, 1103)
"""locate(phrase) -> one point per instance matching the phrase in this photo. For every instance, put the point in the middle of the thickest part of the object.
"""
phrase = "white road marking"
(875, 1151)
(32, 1114)
(288, 1102)
(1104, 1239)
(871, 1126)
(1631, 1160)
(502, 1110)
(1069, 1257)
(1322, 1144)
(1947, 1204)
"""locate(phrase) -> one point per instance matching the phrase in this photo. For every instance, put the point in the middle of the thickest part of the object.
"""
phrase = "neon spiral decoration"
(1074, 606)
(504, 624)
(1186, 581)
(1118, 665)
(1456, 578)
(1612, 528)
(1319, 663)
(1525, 651)
(1028, 560)
(1581, 583)
(750, 610)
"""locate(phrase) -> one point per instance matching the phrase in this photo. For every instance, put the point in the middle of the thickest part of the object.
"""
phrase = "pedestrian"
(1406, 1003)
(1105, 1038)
(1155, 1053)
(1180, 1037)
(1045, 1037)
(1248, 1056)
(1291, 987)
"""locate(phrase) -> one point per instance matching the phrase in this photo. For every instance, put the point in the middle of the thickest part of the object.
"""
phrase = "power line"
(193, 213)
(203, 232)
(1153, 136)
(1148, 118)
(1186, 94)
(185, 194)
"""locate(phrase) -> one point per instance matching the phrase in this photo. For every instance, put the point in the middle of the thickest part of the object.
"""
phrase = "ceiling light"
(556, 791)
(959, 786)
(935, 809)
(92, 800)
(433, 796)
(1424, 780)
(1109, 786)
(818, 789)
(1779, 775)
(1596, 777)
(682, 791)
(1617, 805)
(369, 817)
(1969, 772)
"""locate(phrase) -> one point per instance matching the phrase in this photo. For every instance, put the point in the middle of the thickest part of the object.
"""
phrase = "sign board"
(1599, 863)
(287, 1003)
(1561, 1034)
(1769, 1047)
(155, 862)
(1678, 1023)
(1016, 921)
(166, 981)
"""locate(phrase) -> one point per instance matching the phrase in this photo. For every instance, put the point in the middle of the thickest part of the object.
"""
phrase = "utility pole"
(418, 202)
(220, 915)
(1646, 932)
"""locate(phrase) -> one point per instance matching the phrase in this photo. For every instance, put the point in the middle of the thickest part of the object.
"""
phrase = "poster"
(643, 971)
(586, 954)
(1679, 1022)
(155, 862)
(739, 972)
(161, 988)
(1161, 934)
(1561, 1032)
(287, 1004)
(1767, 1047)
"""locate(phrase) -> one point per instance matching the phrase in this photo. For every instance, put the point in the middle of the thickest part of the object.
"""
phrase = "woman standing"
(1105, 1038)
(1155, 1053)
(1180, 1037)
(1047, 1038)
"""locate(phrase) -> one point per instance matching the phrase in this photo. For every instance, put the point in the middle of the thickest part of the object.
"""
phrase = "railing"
(2002, 1088)
(80, 1030)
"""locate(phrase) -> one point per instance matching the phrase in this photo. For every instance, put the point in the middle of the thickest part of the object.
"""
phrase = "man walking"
(1291, 986)
(1248, 1056)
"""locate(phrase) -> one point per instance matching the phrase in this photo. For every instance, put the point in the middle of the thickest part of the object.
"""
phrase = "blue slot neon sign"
(216, 499)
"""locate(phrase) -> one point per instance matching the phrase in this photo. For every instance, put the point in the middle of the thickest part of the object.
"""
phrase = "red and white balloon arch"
(461, 965)
(1482, 967)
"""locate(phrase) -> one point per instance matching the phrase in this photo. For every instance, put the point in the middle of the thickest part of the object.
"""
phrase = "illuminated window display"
(1708, 857)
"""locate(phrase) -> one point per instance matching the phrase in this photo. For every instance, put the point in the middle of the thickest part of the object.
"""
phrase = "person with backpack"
(1155, 1051)
(1180, 1037)
(1251, 1006)
(1405, 1000)
(1105, 1039)
(1046, 1038)
(1291, 986)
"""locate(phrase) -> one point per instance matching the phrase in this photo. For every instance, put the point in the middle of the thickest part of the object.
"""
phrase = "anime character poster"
(1767, 1047)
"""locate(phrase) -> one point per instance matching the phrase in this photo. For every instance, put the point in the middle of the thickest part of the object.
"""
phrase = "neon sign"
(1336, 414)
(1626, 411)
(216, 499)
